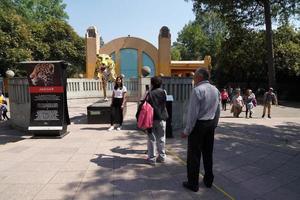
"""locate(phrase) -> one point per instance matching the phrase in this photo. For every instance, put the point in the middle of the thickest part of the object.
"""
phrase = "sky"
(137, 18)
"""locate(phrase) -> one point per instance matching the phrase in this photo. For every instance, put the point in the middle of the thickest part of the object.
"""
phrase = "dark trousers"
(116, 111)
(200, 141)
(4, 114)
(224, 101)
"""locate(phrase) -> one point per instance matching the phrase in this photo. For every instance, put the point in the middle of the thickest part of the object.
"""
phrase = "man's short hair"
(202, 72)
(156, 82)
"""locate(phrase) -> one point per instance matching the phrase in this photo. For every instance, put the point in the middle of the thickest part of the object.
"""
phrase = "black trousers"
(4, 114)
(200, 141)
(116, 111)
(224, 101)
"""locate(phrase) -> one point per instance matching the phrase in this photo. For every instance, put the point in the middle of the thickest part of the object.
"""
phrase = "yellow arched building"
(131, 54)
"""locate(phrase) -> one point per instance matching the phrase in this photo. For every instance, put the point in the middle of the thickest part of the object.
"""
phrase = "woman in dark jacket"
(157, 134)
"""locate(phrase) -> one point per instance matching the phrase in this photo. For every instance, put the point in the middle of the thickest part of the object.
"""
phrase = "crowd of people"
(248, 100)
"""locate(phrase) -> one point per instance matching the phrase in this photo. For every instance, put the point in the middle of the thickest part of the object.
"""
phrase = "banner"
(47, 89)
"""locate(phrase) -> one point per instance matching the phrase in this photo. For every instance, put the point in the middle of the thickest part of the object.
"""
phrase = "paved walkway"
(253, 159)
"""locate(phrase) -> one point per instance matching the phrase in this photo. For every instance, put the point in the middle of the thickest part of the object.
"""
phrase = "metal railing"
(179, 88)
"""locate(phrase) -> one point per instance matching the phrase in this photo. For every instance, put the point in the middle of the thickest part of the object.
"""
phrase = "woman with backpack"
(157, 98)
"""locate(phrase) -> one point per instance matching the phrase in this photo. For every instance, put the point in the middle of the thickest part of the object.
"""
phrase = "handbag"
(145, 120)
(140, 106)
(144, 114)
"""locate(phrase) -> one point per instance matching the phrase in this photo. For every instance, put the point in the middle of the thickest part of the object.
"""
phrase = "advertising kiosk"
(47, 88)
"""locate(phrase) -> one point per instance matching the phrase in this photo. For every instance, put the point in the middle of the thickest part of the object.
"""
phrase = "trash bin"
(169, 127)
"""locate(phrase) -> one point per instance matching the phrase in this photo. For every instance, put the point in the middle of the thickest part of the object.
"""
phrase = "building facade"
(131, 54)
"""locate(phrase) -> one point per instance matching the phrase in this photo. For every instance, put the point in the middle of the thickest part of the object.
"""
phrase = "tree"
(241, 58)
(41, 10)
(175, 52)
(201, 37)
(15, 39)
(250, 12)
(64, 44)
(191, 42)
(37, 30)
(287, 53)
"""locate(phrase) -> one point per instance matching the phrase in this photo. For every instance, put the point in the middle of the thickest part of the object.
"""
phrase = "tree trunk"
(269, 40)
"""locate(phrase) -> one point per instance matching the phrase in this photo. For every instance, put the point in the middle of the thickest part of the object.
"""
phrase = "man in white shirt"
(202, 119)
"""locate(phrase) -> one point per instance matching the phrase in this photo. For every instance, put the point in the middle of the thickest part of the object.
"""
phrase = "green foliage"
(41, 10)
(191, 42)
(199, 38)
(15, 38)
(287, 52)
(175, 53)
(243, 55)
(241, 58)
(248, 12)
(37, 30)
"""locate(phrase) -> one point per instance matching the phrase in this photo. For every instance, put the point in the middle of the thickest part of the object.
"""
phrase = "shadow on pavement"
(79, 119)
(116, 162)
(95, 128)
(285, 135)
(125, 151)
(290, 104)
(7, 134)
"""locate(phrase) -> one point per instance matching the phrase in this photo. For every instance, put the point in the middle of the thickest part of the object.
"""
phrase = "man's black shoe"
(194, 188)
(208, 181)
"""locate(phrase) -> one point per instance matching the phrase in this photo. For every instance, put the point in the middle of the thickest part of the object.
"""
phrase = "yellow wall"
(90, 57)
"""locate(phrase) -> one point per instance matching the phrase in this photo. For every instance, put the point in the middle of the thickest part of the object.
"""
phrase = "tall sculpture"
(105, 68)
(92, 40)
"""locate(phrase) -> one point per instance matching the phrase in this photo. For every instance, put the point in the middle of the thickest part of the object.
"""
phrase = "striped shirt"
(204, 105)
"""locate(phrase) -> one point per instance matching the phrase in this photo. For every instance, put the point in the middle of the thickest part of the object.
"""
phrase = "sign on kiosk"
(47, 88)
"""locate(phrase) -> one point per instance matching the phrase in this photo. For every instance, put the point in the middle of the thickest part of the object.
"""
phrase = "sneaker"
(111, 128)
(187, 185)
(119, 128)
(105, 99)
(160, 160)
(151, 162)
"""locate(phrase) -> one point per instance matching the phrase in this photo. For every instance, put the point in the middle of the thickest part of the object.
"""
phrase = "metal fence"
(179, 88)
(84, 88)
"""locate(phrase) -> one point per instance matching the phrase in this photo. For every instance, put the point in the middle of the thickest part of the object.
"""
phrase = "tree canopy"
(237, 14)
(37, 30)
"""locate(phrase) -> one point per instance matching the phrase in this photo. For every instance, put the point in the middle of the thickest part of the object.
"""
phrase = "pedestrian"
(269, 99)
(224, 99)
(2, 98)
(230, 92)
(202, 119)
(250, 102)
(118, 103)
(3, 109)
(237, 103)
(157, 134)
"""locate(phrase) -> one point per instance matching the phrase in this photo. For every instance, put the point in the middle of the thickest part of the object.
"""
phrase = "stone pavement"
(253, 159)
